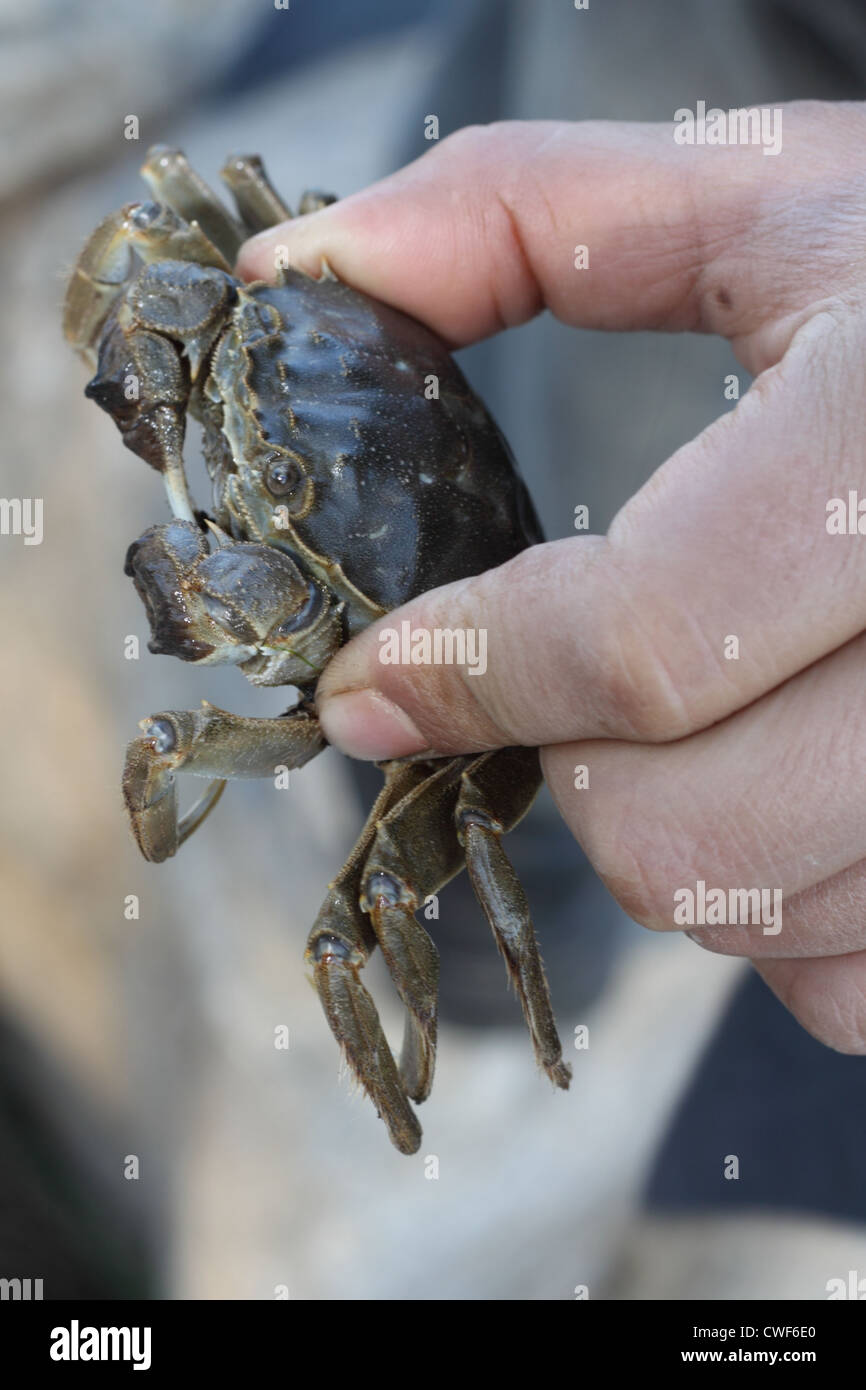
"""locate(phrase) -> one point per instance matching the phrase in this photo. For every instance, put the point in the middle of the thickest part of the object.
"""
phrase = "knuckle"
(642, 690)
(636, 854)
(470, 144)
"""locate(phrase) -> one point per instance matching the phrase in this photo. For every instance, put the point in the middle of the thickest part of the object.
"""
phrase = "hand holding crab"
(734, 772)
(339, 491)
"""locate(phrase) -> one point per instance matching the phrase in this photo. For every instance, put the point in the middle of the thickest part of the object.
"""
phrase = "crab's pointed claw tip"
(220, 536)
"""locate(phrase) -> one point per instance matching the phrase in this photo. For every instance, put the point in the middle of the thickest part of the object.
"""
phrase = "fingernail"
(256, 258)
(365, 724)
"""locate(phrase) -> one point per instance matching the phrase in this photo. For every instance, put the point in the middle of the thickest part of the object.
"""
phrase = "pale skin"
(609, 651)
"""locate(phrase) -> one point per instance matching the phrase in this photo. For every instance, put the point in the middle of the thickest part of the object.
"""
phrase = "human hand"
(612, 652)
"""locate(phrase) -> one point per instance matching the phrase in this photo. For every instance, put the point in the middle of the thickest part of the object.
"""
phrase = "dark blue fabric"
(793, 1111)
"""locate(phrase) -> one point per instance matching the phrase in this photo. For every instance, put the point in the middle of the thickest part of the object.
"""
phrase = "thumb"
(625, 636)
(461, 667)
(568, 640)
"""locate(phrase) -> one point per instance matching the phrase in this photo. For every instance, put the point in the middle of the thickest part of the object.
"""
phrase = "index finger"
(608, 224)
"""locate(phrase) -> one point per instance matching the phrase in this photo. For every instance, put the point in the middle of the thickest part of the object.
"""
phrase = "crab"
(342, 487)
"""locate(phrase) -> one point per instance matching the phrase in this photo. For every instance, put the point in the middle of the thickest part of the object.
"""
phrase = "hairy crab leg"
(207, 742)
(258, 203)
(100, 276)
(172, 180)
(337, 956)
(200, 810)
(413, 963)
(486, 808)
(107, 264)
(313, 200)
(338, 947)
(413, 823)
(416, 831)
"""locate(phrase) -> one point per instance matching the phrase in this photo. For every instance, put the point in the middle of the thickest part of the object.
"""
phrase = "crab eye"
(282, 476)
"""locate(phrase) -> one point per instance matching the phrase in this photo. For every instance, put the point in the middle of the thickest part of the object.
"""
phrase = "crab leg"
(338, 948)
(415, 832)
(106, 264)
(208, 742)
(313, 200)
(99, 278)
(490, 782)
(258, 203)
(413, 962)
(172, 180)
(413, 825)
(337, 957)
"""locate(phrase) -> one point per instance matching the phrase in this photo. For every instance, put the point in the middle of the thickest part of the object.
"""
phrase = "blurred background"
(153, 1141)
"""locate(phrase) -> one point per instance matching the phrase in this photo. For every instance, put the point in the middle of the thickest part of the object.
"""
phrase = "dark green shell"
(410, 492)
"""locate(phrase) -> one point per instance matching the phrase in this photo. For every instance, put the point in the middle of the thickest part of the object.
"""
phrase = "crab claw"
(241, 604)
